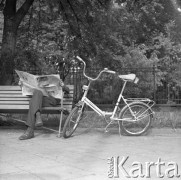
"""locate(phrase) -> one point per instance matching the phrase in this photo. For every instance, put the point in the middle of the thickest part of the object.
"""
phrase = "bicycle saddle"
(128, 77)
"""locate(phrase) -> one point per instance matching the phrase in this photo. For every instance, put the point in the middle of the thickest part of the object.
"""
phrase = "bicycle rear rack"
(147, 101)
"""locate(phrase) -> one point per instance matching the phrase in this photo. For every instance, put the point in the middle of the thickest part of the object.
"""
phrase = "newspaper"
(50, 85)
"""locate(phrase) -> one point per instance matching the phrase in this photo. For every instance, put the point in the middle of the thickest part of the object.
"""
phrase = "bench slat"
(15, 99)
(9, 88)
(12, 88)
(26, 99)
(23, 102)
(20, 92)
(11, 95)
(4, 98)
(13, 102)
(10, 92)
(26, 107)
(20, 95)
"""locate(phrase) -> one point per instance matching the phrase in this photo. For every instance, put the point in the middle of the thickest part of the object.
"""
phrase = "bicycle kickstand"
(105, 129)
(119, 128)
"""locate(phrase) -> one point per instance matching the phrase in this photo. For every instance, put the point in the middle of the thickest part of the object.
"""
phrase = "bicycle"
(133, 119)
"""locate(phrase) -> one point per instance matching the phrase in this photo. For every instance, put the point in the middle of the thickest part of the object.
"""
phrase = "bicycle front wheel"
(137, 118)
(72, 121)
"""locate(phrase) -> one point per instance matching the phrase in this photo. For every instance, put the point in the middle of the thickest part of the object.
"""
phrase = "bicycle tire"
(67, 129)
(137, 127)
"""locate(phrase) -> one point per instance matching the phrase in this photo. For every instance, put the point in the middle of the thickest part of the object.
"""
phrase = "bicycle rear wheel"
(72, 121)
(139, 119)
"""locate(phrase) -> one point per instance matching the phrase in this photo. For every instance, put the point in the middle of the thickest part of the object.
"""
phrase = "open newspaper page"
(50, 85)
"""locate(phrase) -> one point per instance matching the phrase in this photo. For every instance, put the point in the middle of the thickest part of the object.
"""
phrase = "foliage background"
(118, 34)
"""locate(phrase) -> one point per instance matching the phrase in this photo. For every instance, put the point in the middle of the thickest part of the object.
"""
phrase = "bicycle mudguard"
(137, 102)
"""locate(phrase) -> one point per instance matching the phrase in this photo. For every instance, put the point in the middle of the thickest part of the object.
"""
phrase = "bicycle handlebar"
(94, 79)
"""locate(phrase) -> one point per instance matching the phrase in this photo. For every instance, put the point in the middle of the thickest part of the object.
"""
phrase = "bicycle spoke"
(140, 115)
(72, 121)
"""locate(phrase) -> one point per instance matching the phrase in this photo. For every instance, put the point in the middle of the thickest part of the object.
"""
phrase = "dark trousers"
(36, 103)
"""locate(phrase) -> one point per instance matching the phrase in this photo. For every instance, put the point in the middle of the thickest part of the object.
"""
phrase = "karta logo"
(137, 169)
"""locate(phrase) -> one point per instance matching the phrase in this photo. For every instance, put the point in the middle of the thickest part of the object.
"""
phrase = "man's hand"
(65, 89)
(61, 83)
(20, 83)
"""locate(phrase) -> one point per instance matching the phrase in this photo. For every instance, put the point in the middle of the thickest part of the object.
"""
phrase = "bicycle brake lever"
(109, 71)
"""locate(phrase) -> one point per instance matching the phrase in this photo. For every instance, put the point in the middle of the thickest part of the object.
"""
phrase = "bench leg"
(61, 116)
(60, 124)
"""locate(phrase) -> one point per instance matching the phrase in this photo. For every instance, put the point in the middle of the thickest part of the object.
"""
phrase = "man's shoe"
(26, 136)
(39, 121)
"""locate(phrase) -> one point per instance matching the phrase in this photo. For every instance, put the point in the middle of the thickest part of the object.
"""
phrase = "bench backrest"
(11, 100)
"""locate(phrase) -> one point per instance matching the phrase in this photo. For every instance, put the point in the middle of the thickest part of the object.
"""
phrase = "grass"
(161, 119)
(167, 119)
(164, 117)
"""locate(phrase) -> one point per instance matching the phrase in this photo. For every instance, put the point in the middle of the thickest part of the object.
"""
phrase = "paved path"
(85, 156)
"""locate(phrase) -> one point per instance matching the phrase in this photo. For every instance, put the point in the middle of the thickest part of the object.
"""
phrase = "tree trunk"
(8, 43)
(12, 19)
(8, 51)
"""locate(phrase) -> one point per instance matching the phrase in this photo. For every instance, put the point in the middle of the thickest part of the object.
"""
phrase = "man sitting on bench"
(34, 114)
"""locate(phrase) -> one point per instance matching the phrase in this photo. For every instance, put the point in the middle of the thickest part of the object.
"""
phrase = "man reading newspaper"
(46, 91)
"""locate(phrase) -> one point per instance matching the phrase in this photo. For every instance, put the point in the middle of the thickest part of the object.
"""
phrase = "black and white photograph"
(90, 89)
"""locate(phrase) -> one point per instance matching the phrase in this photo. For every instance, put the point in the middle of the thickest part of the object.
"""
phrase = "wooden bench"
(12, 101)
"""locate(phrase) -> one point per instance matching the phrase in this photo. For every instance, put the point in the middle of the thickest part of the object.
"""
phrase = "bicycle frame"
(134, 110)
(104, 113)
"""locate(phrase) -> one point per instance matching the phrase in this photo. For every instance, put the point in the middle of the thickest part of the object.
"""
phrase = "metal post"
(154, 76)
(61, 115)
